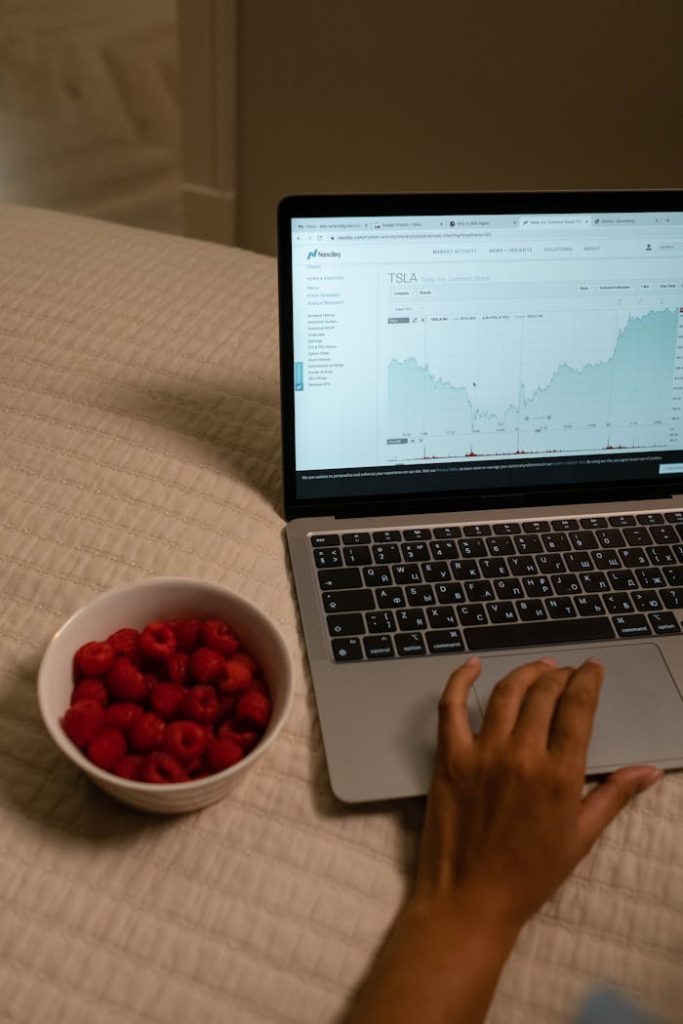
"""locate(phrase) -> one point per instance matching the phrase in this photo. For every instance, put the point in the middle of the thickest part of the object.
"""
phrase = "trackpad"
(640, 715)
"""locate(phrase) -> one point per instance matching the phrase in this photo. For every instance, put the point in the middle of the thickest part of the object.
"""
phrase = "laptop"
(482, 422)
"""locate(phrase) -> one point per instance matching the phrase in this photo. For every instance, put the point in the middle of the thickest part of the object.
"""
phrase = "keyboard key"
(566, 583)
(357, 555)
(610, 538)
(375, 576)
(556, 542)
(386, 553)
(631, 625)
(646, 601)
(594, 582)
(500, 546)
(674, 576)
(348, 600)
(622, 579)
(528, 544)
(345, 625)
(664, 623)
(449, 593)
(419, 533)
(390, 597)
(339, 579)
(664, 535)
(325, 540)
(449, 532)
(378, 647)
(674, 517)
(533, 634)
(520, 566)
(672, 598)
(444, 641)
(379, 622)
(564, 524)
(560, 608)
(407, 573)
(550, 563)
(465, 569)
(411, 619)
(593, 523)
(476, 530)
(416, 552)
(508, 529)
(530, 611)
(610, 559)
(537, 586)
(637, 536)
(420, 595)
(327, 558)
(502, 611)
(435, 572)
(584, 539)
(623, 520)
(508, 589)
(348, 649)
(443, 549)
(661, 555)
(479, 590)
(589, 604)
(472, 614)
(618, 603)
(409, 644)
(442, 618)
(472, 547)
(536, 526)
(386, 536)
(355, 538)
(653, 577)
(579, 561)
(650, 518)
(492, 568)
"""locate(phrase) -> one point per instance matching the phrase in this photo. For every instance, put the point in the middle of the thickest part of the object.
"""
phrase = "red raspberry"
(198, 769)
(246, 740)
(219, 637)
(126, 682)
(242, 658)
(222, 753)
(147, 733)
(237, 677)
(166, 698)
(178, 667)
(82, 721)
(130, 767)
(121, 716)
(158, 641)
(185, 740)
(93, 659)
(253, 708)
(107, 748)
(186, 633)
(161, 767)
(126, 642)
(226, 706)
(207, 666)
(90, 689)
(200, 704)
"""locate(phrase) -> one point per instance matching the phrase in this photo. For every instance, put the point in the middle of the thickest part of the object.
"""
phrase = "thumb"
(604, 803)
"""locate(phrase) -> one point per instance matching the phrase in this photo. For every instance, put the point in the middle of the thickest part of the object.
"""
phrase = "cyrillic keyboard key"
(348, 600)
(449, 593)
(537, 586)
(377, 576)
(622, 579)
(631, 625)
(348, 649)
(646, 601)
(508, 589)
(444, 641)
(589, 604)
(531, 611)
(532, 634)
(411, 618)
(472, 614)
(436, 572)
(618, 604)
(443, 617)
(420, 595)
(339, 579)
(501, 611)
(560, 608)
(594, 582)
(407, 573)
(480, 590)
(653, 577)
(390, 597)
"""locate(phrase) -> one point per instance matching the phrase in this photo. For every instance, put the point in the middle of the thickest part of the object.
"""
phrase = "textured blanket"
(139, 426)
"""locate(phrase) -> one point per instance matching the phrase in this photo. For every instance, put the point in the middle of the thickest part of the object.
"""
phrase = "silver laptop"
(482, 412)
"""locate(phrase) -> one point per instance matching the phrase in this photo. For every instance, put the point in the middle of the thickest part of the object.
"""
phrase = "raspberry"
(166, 698)
(246, 740)
(126, 682)
(178, 666)
(222, 753)
(185, 740)
(130, 767)
(186, 633)
(219, 637)
(226, 706)
(107, 748)
(207, 666)
(200, 704)
(237, 677)
(198, 769)
(93, 659)
(126, 642)
(158, 641)
(82, 721)
(253, 708)
(121, 716)
(161, 767)
(146, 732)
(242, 658)
(90, 689)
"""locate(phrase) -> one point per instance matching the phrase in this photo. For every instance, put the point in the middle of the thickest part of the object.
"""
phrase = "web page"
(481, 340)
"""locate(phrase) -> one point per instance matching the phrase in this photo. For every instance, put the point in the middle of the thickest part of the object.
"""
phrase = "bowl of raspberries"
(166, 691)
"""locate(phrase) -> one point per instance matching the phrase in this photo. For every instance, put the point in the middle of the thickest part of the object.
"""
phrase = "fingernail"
(474, 660)
(653, 776)
(595, 661)
(548, 661)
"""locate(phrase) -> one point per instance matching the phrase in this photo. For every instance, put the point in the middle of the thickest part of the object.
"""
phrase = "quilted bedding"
(140, 436)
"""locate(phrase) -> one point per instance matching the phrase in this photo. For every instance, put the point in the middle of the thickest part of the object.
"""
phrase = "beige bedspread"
(139, 422)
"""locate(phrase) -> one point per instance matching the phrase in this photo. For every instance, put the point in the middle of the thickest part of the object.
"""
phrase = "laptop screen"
(481, 344)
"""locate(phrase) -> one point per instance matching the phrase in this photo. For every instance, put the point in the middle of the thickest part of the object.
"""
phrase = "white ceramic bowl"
(134, 605)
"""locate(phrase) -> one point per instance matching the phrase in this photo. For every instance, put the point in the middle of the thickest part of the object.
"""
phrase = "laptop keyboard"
(489, 586)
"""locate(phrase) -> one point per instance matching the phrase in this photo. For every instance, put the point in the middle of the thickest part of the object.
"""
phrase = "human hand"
(506, 822)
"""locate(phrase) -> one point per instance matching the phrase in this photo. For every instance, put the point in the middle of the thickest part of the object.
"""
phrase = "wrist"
(480, 922)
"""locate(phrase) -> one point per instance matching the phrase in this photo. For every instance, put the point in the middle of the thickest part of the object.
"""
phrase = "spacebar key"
(531, 634)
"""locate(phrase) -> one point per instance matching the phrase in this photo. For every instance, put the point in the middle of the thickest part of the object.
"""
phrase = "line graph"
(622, 401)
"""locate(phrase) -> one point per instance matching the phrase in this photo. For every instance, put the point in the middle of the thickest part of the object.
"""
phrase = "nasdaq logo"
(318, 253)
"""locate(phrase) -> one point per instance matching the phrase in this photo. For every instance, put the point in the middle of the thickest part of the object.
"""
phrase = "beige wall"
(375, 95)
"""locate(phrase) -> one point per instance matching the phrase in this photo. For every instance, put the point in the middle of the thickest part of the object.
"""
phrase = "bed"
(139, 418)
